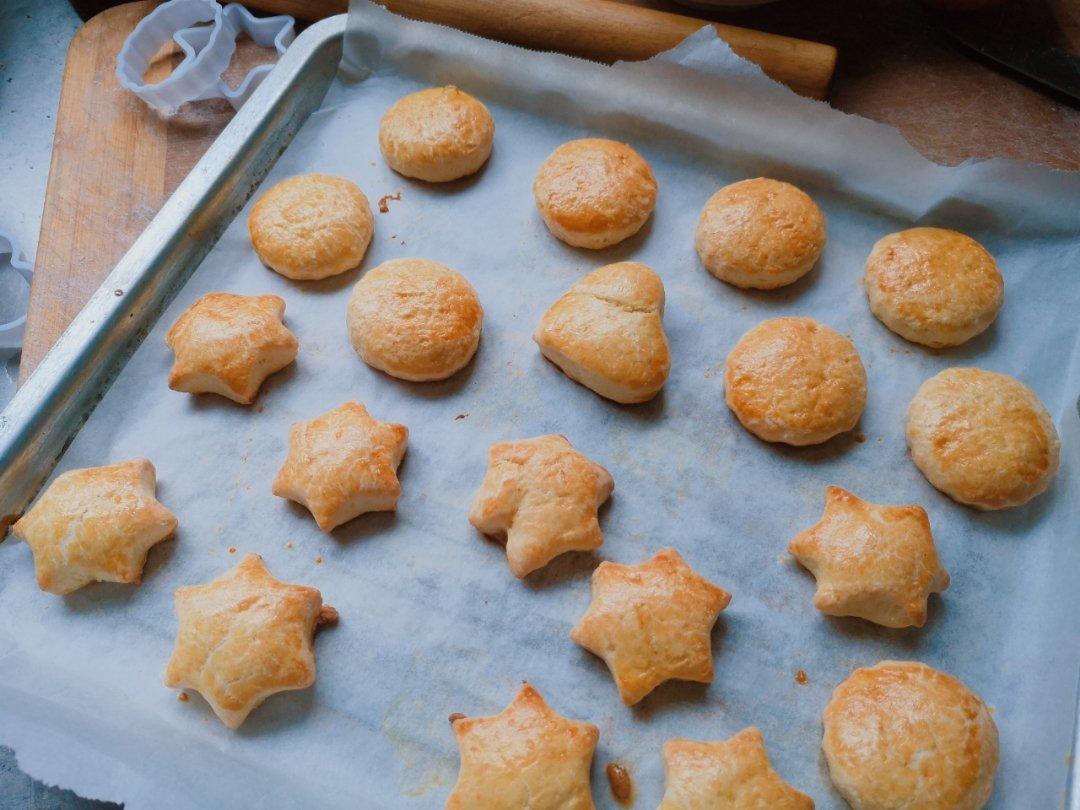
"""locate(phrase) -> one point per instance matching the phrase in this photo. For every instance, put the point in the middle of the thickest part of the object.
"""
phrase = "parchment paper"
(432, 622)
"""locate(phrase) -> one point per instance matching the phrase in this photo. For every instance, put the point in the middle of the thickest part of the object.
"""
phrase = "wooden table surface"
(115, 163)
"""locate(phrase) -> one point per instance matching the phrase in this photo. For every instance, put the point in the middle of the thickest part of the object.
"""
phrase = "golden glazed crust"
(311, 226)
(542, 495)
(730, 775)
(438, 134)
(229, 344)
(651, 623)
(243, 637)
(982, 438)
(415, 319)
(343, 464)
(760, 234)
(593, 192)
(903, 736)
(795, 380)
(607, 333)
(933, 286)
(95, 525)
(526, 757)
(875, 562)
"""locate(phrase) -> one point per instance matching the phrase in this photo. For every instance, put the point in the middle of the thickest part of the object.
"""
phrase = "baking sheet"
(432, 621)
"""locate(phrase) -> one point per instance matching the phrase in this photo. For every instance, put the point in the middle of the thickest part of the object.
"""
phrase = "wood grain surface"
(114, 162)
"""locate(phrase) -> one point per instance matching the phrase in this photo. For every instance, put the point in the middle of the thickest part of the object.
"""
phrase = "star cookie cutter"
(206, 32)
(11, 332)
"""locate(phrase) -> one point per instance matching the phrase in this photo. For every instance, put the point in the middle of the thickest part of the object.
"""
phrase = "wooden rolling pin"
(596, 29)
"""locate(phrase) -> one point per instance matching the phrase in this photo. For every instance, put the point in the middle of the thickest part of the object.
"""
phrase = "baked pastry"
(244, 637)
(796, 381)
(607, 333)
(95, 525)
(343, 464)
(593, 193)
(732, 775)
(982, 438)
(542, 495)
(229, 344)
(415, 319)
(651, 623)
(875, 562)
(437, 134)
(760, 234)
(933, 286)
(526, 756)
(903, 736)
(311, 226)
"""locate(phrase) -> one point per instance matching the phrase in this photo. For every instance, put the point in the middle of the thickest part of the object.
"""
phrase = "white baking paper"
(432, 622)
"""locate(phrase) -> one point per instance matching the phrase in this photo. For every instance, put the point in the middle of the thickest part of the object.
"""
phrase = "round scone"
(982, 438)
(796, 381)
(593, 193)
(933, 286)
(311, 226)
(760, 233)
(902, 735)
(437, 135)
(415, 319)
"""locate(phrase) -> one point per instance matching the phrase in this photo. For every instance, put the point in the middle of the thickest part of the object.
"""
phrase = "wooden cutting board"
(115, 163)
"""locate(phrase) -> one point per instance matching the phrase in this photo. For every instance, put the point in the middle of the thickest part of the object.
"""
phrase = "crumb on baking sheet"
(453, 718)
(384, 201)
(801, 678)
(327, 615)
(622, 788)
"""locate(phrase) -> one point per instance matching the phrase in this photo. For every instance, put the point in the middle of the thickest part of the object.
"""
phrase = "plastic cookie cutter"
(206, 32)
(11, 332)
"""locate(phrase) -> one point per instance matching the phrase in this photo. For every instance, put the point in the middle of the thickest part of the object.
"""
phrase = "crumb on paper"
(461, 416)
(801, 678)
(327, 615)
(318, 560)
(619, 781)
(384, 201)
(860, 437)
(232, 549)
(118, 293)
(288, 545)
(453, 718)
(182, 697)
(259, 408)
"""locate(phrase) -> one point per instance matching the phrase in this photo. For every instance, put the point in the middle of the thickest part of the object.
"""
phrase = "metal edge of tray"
(48, 410)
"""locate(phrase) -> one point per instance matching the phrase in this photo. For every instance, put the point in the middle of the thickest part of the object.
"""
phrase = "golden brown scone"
(526, 756)
(415, 319)
(343, 464)
(229, 344)
(760, 234)
(542, 496)
(933, 286)
(311, 226)
(95, 525)
(607, 333)
(438, 134)
(875, 562)
(796, 381)
(902, 736)
(593, 193)
(244, 637)
(732, 775)
(982, 438)
(651, 623)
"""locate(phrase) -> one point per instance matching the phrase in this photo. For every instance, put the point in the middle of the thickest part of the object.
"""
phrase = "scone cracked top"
(543, 496)
(311, 226)
(796, 381)
(875, 562)
(244, 637)
(593, 193)
(229, 344)
(732, 775)
(527, 756)
(95, 525)
(901, 735)
(343, 464)
(651, 623)
(607, 333)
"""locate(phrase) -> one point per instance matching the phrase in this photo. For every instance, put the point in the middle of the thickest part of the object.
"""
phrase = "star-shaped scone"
(730, 775)
(542, 495)
(875, 562)
(526, 756)
(95, 525)
(229, 344)
(651, 622)
(244, 637)
(343, 464)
